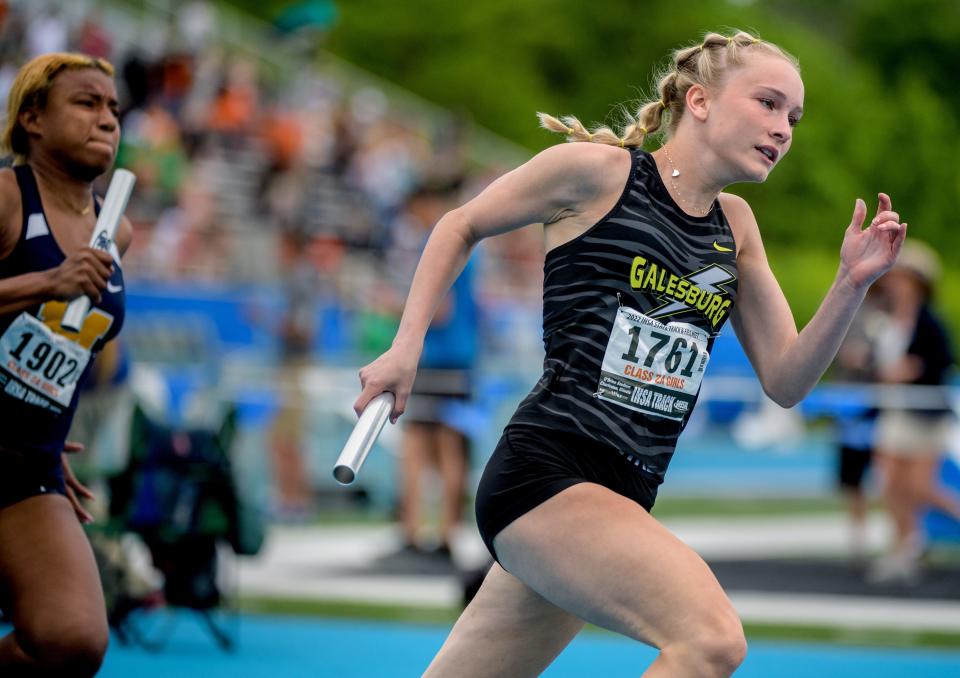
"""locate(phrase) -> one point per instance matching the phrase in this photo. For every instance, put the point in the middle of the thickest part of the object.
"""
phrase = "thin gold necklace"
(676, 190)
(85, 211)
(81, 212)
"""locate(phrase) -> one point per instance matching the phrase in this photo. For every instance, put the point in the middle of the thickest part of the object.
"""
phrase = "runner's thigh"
(603, 558)
(48, 575)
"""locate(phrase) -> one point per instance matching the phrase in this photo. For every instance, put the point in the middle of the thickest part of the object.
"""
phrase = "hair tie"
(729, 40)
(571, 131)
(644, 130)
(754, 41)
(662, 105)
(621, 143)
(589, 136)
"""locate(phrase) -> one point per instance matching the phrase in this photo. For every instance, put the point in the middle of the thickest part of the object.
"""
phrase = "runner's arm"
(562, 181)
(83, 272)
(790, 363)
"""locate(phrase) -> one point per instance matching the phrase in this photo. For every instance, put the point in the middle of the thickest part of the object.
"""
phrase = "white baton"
(115, 202)
(362, 438)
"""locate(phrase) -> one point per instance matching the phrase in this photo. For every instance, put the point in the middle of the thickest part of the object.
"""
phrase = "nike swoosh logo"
(720, 248)
(113, 289)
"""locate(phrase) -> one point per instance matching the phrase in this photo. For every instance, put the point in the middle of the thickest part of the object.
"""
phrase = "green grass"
(858, 637)
(744, 507)
(348, 610)
(347, 517)
(754, 631)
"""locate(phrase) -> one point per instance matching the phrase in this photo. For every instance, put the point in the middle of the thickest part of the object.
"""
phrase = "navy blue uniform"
(631, 309)
(43, 366)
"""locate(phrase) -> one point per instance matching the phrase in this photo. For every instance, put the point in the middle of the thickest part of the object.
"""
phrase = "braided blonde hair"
(703, 64)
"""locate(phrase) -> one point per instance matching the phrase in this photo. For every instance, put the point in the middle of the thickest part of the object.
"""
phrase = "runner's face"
(80, 124)
(753, 115)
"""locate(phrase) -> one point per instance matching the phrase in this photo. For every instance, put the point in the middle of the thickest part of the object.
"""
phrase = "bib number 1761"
(673, 358)
(652, 367)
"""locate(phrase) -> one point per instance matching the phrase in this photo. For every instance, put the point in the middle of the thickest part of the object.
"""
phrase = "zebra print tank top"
(631, 309)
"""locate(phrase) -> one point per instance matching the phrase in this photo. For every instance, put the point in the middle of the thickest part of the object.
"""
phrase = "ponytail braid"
(703, 64)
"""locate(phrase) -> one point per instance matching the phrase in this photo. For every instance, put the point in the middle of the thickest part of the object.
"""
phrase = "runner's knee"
(727, 647)
(714, 646)
(69, 650)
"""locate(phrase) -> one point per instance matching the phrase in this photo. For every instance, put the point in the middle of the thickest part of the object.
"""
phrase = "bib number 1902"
(59, 367)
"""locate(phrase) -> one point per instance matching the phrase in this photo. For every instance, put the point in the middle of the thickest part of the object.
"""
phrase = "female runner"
(646, 259)
(63, 130)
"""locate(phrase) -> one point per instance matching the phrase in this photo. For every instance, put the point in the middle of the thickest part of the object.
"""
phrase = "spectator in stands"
(234, 109)
(297, 331)
(431, 438)
(856, 362)
(103, 414)
(47, 32)
(911, 438)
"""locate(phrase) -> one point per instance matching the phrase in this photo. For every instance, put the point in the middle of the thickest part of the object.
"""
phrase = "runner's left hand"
(75, 489)
(868, 253)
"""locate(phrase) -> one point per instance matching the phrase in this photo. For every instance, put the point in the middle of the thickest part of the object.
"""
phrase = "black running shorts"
(532, 464)
(854, 463)
(24, 475)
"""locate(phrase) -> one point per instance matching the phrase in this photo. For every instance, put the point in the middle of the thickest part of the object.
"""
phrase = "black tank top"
(42, 365)
(631, 309)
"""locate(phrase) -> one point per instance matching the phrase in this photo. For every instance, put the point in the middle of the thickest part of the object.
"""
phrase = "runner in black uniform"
(63, 131)
(645, 259)
(611, 404)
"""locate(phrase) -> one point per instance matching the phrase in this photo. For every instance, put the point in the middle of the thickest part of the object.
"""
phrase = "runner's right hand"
(394, 371)
(85, 272)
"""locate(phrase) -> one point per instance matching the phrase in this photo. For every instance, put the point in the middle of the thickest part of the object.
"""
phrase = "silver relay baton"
(364, 435)
(111, 212)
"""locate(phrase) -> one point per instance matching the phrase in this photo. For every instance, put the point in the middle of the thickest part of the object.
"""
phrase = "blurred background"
(291, 159)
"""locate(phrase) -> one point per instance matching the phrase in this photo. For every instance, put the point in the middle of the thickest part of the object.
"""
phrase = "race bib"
(651, 367)
(39, 366)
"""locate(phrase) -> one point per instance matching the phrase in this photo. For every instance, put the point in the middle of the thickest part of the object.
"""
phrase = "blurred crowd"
(237, 156)
(318, 188)
(899, 341)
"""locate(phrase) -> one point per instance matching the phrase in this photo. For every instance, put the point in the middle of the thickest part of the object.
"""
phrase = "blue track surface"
(277, 647)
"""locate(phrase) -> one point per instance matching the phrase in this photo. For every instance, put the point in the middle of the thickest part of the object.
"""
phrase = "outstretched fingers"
(883, 202)
(859, 214)
(886, 219)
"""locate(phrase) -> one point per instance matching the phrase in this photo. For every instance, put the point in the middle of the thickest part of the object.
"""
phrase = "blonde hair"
(703, 64)
(30, 88)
